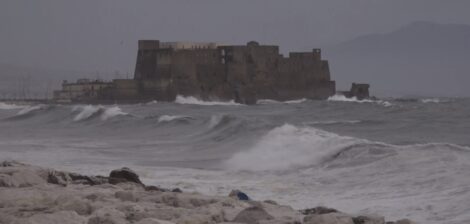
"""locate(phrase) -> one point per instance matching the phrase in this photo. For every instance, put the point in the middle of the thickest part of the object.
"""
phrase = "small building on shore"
(82, 90)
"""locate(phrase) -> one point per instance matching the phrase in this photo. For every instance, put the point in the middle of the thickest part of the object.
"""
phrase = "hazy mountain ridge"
(433, 55)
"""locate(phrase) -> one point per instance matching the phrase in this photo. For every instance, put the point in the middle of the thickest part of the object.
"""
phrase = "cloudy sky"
(101, 35)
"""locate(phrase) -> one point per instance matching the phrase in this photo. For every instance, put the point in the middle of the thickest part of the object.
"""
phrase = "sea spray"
(30, 109)
(8, 106)
(85, 112)
(168, 118)
(112, 112)
(342, 98)
(288, 147)
(89, 111)
(270, 101)
(194, 100)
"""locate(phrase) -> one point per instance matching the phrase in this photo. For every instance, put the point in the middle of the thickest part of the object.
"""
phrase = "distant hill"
(423, 58)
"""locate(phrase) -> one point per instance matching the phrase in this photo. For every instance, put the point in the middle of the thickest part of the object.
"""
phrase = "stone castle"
(208, 71)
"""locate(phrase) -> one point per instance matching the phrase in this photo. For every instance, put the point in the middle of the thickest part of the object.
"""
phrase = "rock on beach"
(35, 195)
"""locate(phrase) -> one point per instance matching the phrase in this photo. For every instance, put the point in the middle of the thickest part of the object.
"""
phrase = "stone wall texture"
(243, 73)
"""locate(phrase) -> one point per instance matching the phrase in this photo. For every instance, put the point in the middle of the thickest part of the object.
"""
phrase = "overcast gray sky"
(94, 35)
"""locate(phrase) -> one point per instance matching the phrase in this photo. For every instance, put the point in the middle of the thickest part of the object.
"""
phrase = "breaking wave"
(334, 122)
(86, 112)
(219, 120)
(193, 100)
(90, 111)
(168, 118)
(342, 98)
(151, 102)
(434, 100)
(289, 147)
(7, 106)
(112, 112)
(30, 109)
(269, 101)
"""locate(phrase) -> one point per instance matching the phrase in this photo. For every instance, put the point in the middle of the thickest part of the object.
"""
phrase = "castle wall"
(125, 89)
(244, 73)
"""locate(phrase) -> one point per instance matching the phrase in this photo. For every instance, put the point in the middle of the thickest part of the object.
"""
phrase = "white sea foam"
(112, 112)
(30, 109)
(152, 102)
(335, 122)
(168, 118)
(215, 120)
(8, 106)
(269, 101)
(433, 100)
(427, 181)
(287, 147)
(342, 98)
(88, 111)
(194, 100)
(295, 101)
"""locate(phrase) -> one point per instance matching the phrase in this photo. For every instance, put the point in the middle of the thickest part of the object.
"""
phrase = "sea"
(394, 157)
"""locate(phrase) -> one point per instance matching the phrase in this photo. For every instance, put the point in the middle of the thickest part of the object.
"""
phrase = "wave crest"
(30, 109)
(342, 98)
(269, 101)
(90, 111)
(434, 100)
(287, 147)
(169, 118)
(112, 112)
(331, 122)
(193, 100)
(8, 106)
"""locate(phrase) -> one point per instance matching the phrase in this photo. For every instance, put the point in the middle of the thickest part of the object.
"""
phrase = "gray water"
(394, 157)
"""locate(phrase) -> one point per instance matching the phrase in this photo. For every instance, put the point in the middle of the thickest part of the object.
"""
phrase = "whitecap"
(295, 101)
(194, 100)
(112, 112)
(30, 109)
(168, 118)
(335, 122)
(151, 102)
(8, 106)
(343, 98)
(86, 111)
(433, 100)
(287, 147)
(269, 101)
(215, 120)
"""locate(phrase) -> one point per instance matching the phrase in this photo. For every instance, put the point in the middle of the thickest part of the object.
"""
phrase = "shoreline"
(32, 194)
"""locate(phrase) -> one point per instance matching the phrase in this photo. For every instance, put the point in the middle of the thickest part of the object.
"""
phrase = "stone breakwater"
(31, 194)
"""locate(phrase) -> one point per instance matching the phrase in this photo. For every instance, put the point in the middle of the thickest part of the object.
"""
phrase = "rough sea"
(400, 158)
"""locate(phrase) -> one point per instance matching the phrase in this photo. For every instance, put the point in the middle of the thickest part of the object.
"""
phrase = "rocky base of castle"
(31, 194)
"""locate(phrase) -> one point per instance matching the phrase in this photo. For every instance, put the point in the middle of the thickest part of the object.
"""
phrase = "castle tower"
(317, 54)
(146, 64)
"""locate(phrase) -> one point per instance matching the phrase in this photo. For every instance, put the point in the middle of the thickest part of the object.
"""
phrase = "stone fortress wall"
(210, 71)
(244, 73)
